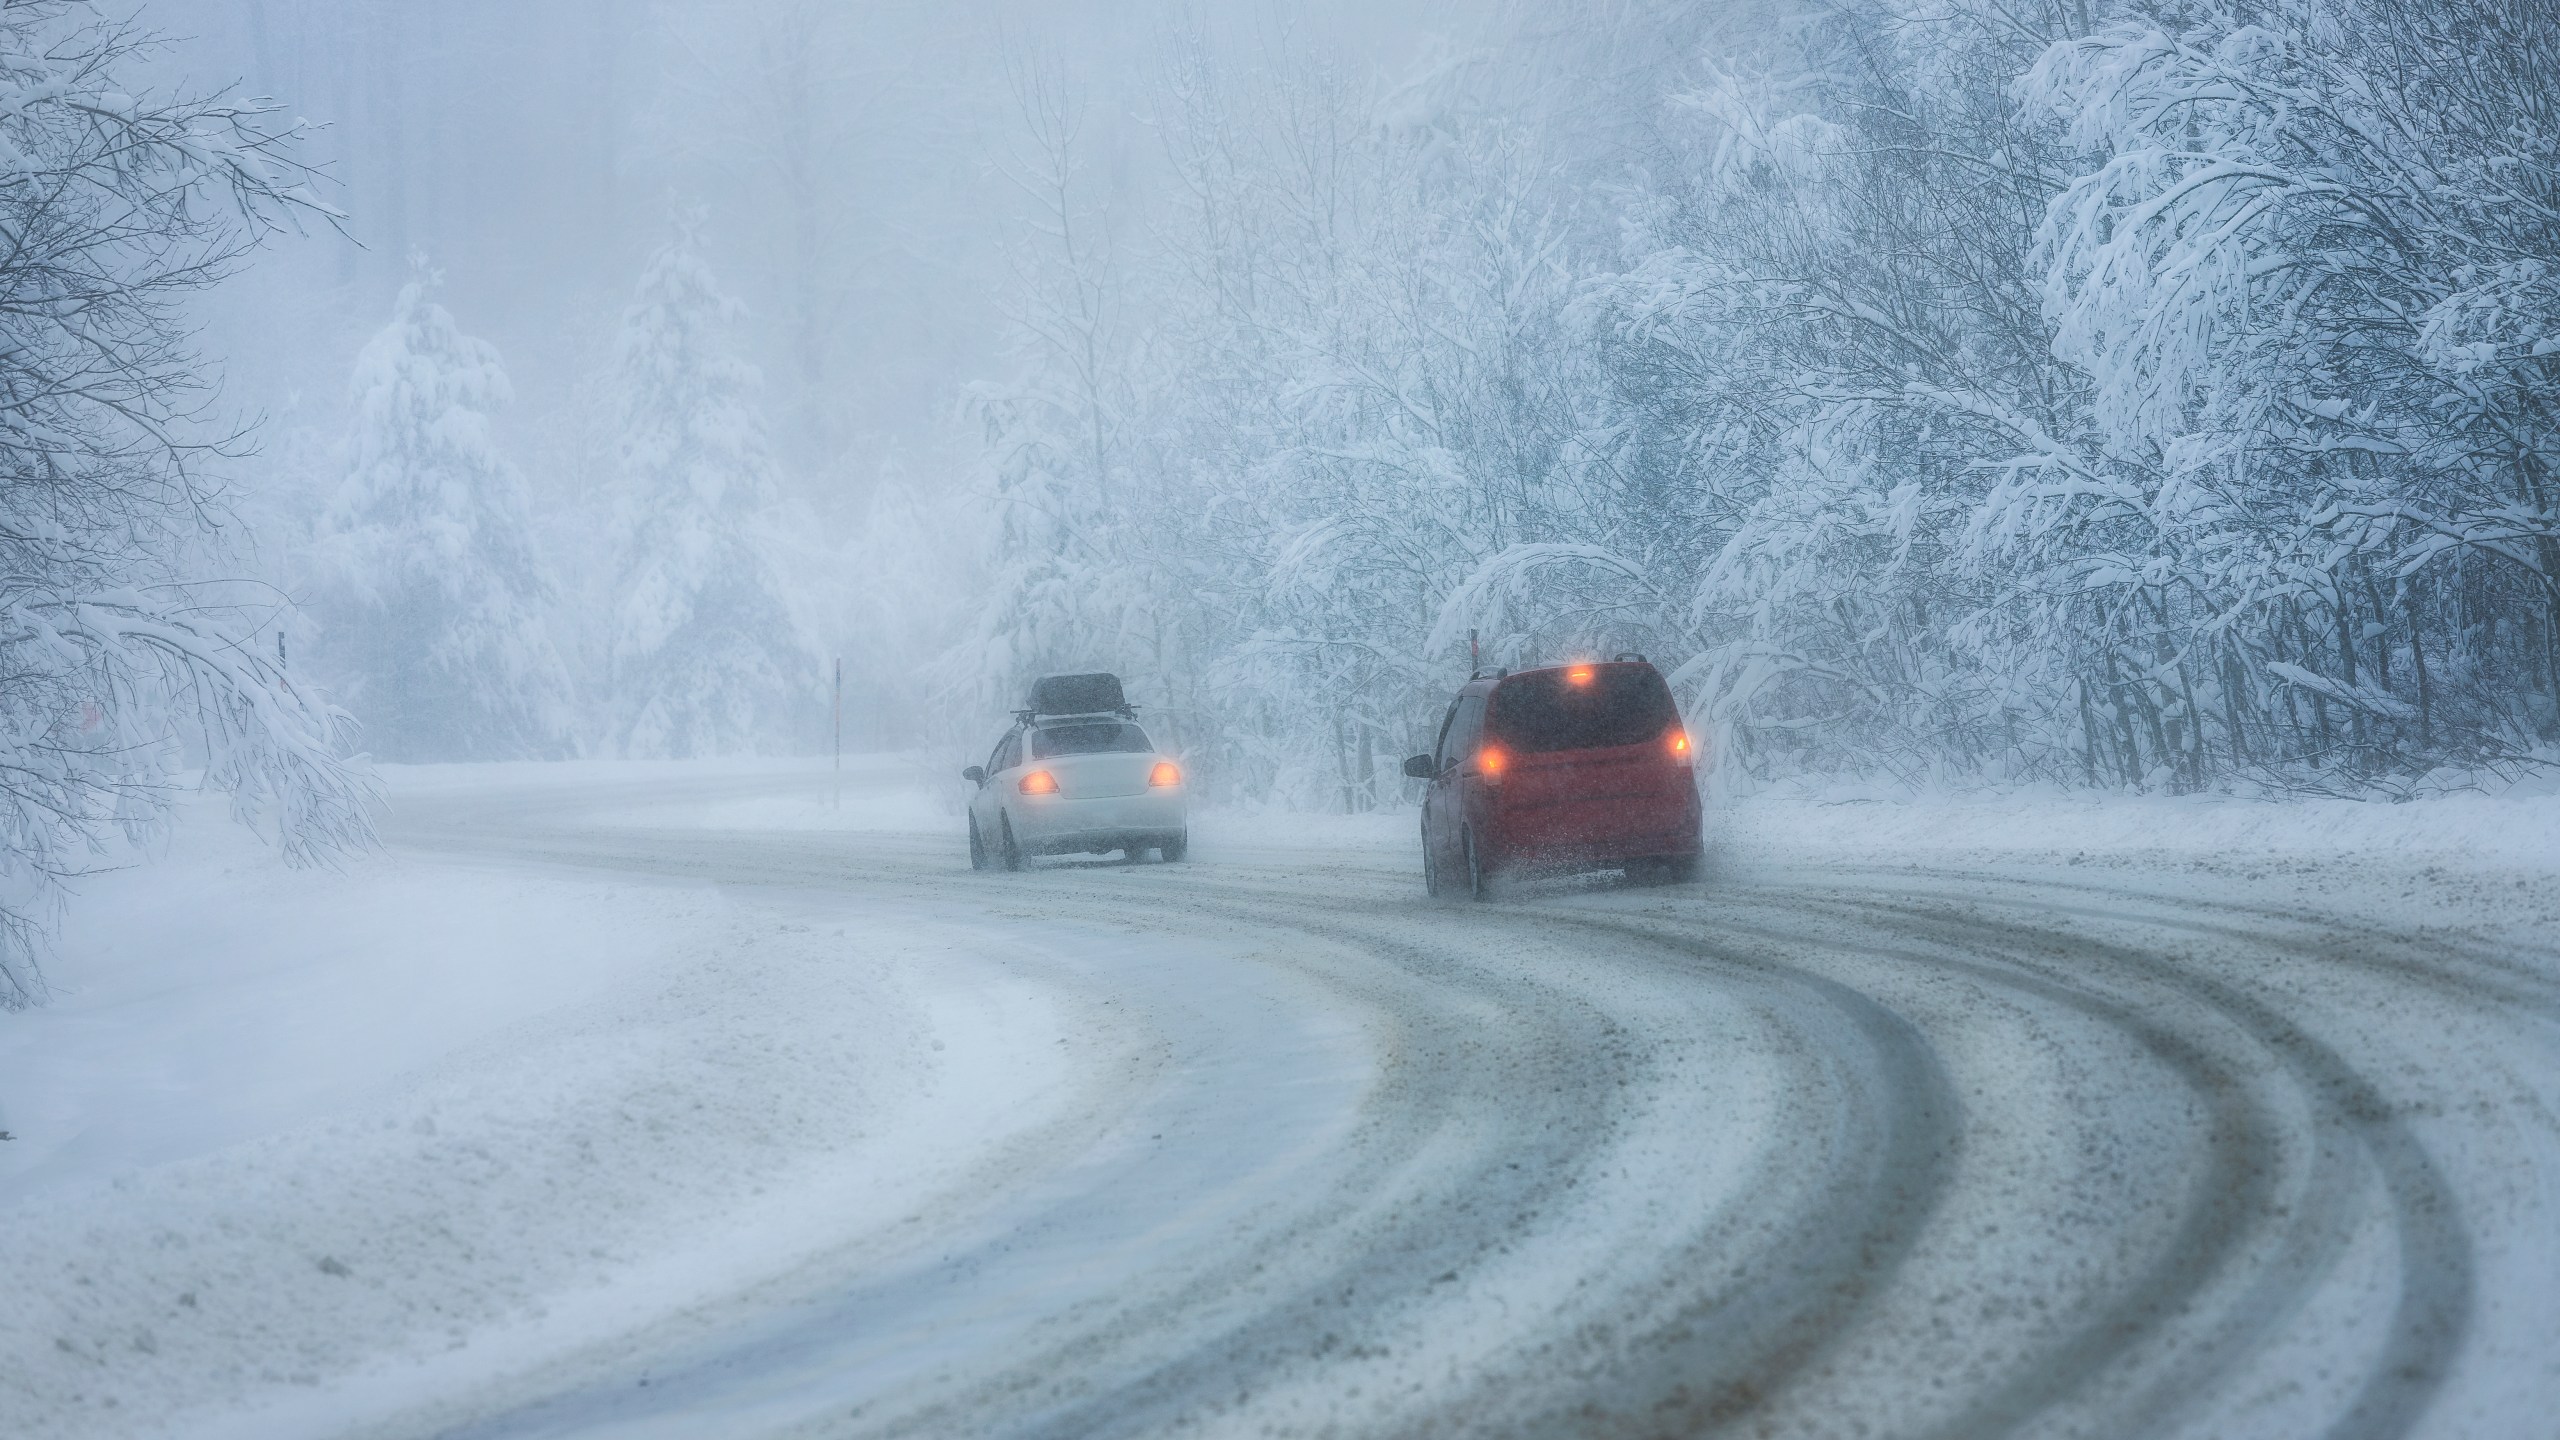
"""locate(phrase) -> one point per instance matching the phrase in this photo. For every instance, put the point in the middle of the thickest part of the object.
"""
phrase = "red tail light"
(1165, 773)
(1490, 762)
(1039, 782)
(1578, 675)
(1680, 747)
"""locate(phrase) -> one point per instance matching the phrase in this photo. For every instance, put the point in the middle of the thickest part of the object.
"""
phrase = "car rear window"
(1099, 737)
(1618, 705)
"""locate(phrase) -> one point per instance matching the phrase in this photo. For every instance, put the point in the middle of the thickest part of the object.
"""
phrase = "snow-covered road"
(1890, 1141)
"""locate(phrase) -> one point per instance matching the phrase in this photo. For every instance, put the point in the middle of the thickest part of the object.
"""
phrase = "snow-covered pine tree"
(434, 591)
(707, 656)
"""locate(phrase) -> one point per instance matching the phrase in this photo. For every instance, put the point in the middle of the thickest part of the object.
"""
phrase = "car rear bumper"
(1060, 825)
(1591, 838)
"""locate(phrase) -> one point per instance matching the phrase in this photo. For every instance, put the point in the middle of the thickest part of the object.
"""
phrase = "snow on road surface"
(680, 1101)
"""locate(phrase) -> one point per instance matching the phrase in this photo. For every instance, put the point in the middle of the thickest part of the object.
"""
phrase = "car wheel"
(1480, 881)
(1177, 847)
(1431, 886)
(977, 846)
(1663, 870)
(1008, 849)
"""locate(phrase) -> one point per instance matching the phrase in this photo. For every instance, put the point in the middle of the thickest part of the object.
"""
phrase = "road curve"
(1805, 1149)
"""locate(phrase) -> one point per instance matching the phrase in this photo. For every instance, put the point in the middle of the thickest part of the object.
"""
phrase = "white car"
(1064, 784)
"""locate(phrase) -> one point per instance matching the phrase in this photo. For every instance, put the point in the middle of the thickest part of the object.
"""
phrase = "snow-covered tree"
(707, 655)
(117, 672)
(2312, 265)
(1069, 578)
(2136, 394)
(436, 616)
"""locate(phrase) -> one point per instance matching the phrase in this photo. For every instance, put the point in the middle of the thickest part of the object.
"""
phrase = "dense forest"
(2152, 396)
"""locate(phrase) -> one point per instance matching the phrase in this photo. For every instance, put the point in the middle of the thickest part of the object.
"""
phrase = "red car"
(1572, 767)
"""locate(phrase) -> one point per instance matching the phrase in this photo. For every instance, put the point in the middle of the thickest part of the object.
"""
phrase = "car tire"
(977, 846)
(1480, 881)
(1008, 849)
(1431, 886)
(1175, 848)
(1663, 870)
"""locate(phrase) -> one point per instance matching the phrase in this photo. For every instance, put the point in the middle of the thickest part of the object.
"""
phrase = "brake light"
(1165, 773)
(1489, 762)
(1039, 782)
(1578, 675)
(1680, 746)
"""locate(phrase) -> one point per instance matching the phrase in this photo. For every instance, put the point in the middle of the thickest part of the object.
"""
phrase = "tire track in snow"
(2263, 1220)
(2436, 1278)
(2468, 971)
(1880, 1139)
(1884, 1127)
(2231, 1206)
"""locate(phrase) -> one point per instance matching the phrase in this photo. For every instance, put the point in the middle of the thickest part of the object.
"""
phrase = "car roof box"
(1093, 694)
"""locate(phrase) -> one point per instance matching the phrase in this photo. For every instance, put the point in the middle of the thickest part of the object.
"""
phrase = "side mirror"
(1420, 767)
(975, 775)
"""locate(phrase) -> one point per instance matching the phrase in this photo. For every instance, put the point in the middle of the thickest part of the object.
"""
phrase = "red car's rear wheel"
(1480, 877)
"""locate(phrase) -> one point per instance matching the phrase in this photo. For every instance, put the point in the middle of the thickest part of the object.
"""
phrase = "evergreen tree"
(439, 632)
(707, 658)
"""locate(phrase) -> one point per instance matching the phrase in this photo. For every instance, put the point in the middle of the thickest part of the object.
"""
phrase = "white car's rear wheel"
(1177, 847)
(977, 846)
(1008, 849)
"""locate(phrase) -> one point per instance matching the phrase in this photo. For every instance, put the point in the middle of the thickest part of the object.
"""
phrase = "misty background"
(856, 186)
(2133, 395)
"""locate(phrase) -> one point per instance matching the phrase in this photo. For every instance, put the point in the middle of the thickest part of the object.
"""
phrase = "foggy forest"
(2135, 396)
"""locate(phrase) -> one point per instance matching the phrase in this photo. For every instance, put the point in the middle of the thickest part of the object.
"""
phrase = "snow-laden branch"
(2358, 697)
(1499, 585)
(117, 678)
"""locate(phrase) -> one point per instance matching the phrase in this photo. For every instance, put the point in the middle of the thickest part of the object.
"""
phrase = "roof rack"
(1026, 717)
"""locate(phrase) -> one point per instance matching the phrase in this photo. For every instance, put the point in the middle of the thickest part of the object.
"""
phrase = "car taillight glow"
(1578, 675)
(1165, 773)
(1489, 762)
(1039, 782)
(1680, 745)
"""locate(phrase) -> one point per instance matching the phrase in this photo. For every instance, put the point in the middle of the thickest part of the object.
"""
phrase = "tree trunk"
(2088, 736)
(2418, 663)
(1368, 769)
(2231, 678)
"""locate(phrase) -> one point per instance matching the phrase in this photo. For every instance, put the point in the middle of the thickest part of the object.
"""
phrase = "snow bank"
(872, 792)
(2519, 827)
(329, 1142)
(210, 996)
